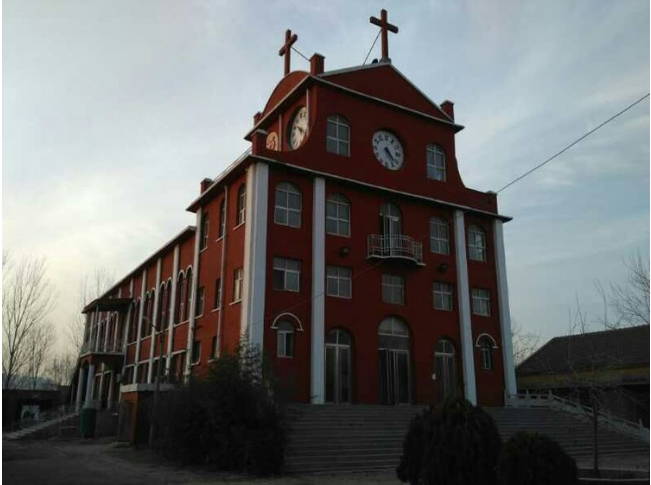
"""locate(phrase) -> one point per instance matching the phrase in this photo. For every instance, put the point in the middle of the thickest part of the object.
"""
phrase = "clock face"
(298, 128)
(272, 141)
(388, 149)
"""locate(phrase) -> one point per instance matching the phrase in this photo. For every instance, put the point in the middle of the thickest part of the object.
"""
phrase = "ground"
(104, 463)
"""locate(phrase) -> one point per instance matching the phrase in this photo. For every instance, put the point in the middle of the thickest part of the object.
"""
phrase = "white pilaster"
(109, 399)
(101, 383)
(510, 383)
(193, 293)
(90, 384)
(107, 323)
(170, 310)
(96, 318)
(141, 310)
(255, 253)
(152, 343)
(317, 381)
(467, 350)
(118, 321)
(80, 386)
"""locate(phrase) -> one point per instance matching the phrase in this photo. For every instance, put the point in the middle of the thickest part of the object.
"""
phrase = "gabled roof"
(606, 350)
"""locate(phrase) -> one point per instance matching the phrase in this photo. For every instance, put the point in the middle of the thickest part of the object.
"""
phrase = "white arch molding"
(284, 316)
(489, 337)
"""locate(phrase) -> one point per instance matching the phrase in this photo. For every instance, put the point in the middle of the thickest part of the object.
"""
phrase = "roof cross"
(286, 49)
(385, 27)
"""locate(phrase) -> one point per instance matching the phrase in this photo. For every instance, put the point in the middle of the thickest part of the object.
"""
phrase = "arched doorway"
(445, 369)
(338, 367)
(394, 369)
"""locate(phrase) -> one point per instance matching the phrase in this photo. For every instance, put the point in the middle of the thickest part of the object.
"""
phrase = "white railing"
(396, 246)
(111, 346)
(549, 400)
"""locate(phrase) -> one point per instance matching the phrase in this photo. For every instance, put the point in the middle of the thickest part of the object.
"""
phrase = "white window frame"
(285, 265)
(281, 340)
(341, 278)
(340, 221)
(393, 285)
(201, 301)
(279, 210)
(439, 244)
(481, 302)
(476, 243)
(341, 143)
(442, 291)
(238, 278)
(205, 226)
(241, 205)
(436, 166)
(486, 351)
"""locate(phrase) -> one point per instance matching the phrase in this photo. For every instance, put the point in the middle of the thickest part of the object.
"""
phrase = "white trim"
(488, 336)
(80, 385)
(286, 315)
(90, 384)
(193, 292)
(170, 310)
(222, 273)
(141, 309)
(152, 344)
(505, 311)
(470, 389)
(317, 381)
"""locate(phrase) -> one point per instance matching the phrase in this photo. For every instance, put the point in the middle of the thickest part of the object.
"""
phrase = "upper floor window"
(338, 215)
(285, 343)
(442, 293)
(241, 204)
(203, 242)
(481, 302)
(178, 307)
(287, 274)
(439, 236)
(338, 135)
(476, 243)
(393, 289)
(339, 281)
(288, 205)
(238, 277)
(196, 352)
(201, 296)
(222, 218)
(435, 162)
(217, 303)
(147, 315)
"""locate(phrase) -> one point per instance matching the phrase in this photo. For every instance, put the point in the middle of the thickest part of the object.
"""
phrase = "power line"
(300, 53)
(574, 142)
(373, 45)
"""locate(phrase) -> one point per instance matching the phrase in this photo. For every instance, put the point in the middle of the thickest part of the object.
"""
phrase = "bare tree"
(524, 343)
(630, 300)
(39, 345)
(27, 300)
(61, 368)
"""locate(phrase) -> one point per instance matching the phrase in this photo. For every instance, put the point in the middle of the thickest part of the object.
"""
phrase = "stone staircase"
(59, 426)
(369, 438)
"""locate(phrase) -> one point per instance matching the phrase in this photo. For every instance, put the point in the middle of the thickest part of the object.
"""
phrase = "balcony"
(398, 247)
(110, 347)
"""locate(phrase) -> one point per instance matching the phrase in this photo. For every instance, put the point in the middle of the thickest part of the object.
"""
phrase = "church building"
(343, 243)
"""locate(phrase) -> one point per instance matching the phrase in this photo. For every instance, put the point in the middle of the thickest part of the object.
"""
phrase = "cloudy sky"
(114, 111)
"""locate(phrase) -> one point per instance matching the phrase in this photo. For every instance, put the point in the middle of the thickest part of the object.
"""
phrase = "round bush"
(456, 444)
(535, 459)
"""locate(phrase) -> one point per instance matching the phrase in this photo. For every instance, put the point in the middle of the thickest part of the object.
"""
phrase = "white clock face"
(298, 128)
(388, 149)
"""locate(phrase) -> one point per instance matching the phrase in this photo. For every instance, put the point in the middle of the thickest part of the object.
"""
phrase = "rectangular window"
(435, 162)
(213, 348)
(285, 343)
(217, 303)
(481, 302)
(237, 285)
(201, 294)
(338, 135)
(393, 289)
(442, 296)
(339, 281)
(196, 352)
(338, 215)
(177, 368)
(241, 205)
(205, 224)
(222, 218)
(287, 274)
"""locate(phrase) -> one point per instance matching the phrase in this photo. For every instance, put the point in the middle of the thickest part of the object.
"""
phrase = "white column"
(141, 310)
(80, 386)
(125, 334)
(317, 387)
(467, 348)
(255, 253)
(101, 382)
(170, 310)
(107, 323)
(90, 383)
(152, 343)
(96, 319)
(109, 398)
(193, 289)
(510, 383)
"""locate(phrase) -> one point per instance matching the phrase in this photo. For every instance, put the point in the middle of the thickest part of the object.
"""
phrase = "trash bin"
(87, 421)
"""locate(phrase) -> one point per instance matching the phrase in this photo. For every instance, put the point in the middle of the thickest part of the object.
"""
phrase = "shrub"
(456, 443)
(232, 418)
(535, 459)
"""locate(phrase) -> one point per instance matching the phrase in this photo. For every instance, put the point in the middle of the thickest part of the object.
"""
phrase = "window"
(188, 294)
(203, 242)
(133, 322)
(222, 218)
(338, 281)
(390, 220)
(442, 296)
(146, 316)
(177, 367)
(481, 302)
(439, 236)
(213, 347)
(237, 285)
(435, 162)
(287, 274)
(241, 205)
(393, 289)
(196, 352)
(218, 294)
(486, 350)
(338, 215)
(288, 205)
(285, 339)
(201, 293)
(338, 135)
(476, 243)
(163, 305)
(178, 306)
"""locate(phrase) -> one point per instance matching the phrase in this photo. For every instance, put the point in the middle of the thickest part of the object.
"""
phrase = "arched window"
(288, 205)
(178, 306)
(338, 135)
(445, 369)
(486, 345)
(394, 386)
(476, 243)
(146, 315)
(390, 220)
(285, 342)
(439, 236)
(338, 366)
(435, 162)
(241, 204)
(133, 321)
(338, 215)
(393, 333)
(187, 294)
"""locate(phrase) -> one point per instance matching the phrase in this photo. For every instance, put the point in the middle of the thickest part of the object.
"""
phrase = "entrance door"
(338, 367)
(445, 369)
(394, 372)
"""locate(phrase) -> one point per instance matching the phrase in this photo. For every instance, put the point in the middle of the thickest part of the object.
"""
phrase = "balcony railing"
(395, 247)
(111, 346)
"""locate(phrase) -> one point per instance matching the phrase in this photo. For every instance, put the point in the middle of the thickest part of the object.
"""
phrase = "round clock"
(298, 128)
(272, 141)
(388, 149)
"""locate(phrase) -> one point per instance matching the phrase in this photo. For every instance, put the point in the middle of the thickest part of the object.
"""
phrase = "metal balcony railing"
(395, 247)
(111, 346)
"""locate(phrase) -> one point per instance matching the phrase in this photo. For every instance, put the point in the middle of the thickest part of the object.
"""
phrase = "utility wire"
(300, 53)
(373, 45)
(574, 142)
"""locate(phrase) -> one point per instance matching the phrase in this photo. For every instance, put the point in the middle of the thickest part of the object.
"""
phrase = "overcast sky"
(114, 111)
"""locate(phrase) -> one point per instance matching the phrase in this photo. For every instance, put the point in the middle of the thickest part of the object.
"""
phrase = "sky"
(115, 110)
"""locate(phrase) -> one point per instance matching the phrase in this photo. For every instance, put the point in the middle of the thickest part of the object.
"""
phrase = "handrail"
(111, 346)
(52, 414)
(394, 246)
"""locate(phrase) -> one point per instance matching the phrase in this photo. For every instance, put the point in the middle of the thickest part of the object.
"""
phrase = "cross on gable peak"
(286, 49)
(385, 28)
